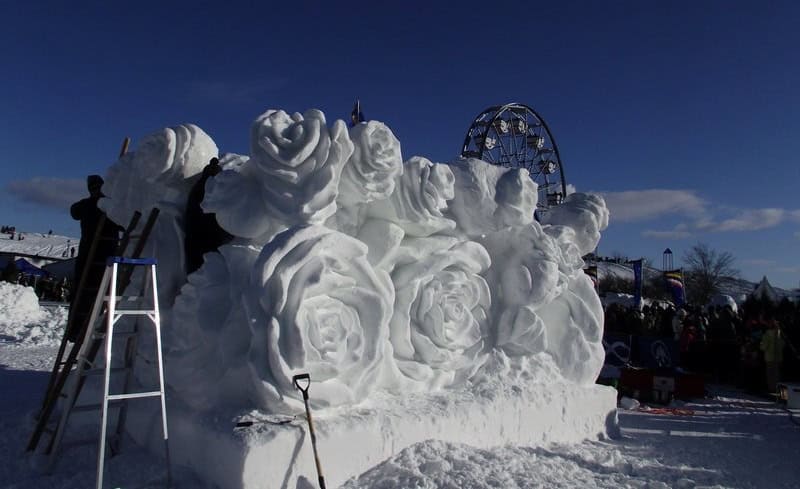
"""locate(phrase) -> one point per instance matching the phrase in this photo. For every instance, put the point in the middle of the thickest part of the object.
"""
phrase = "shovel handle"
(296, 381)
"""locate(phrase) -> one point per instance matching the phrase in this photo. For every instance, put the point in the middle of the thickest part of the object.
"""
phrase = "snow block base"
(351, 441)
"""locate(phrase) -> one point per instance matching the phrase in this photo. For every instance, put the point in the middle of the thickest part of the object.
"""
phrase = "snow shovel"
(296, 381)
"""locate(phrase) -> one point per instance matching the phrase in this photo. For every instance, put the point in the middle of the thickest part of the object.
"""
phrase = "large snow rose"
(301, 161)
(375, 164)
(158, 170)
(419, 198)
(441, 306)
(316, 305)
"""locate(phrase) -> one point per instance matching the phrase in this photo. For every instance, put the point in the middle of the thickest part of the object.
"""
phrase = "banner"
(673, 279)
(618, 349)
(640, 351)
(655, 352)
(637, 283)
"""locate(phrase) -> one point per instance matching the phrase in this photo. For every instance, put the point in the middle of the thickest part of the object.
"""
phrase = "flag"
(637, 282)
(673, 279)
(356, 116)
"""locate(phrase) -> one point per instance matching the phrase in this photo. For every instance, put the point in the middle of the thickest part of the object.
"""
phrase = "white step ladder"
(102, 332)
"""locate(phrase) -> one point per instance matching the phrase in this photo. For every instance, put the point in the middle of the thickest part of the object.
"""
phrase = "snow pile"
(23, 321)
(439, 465)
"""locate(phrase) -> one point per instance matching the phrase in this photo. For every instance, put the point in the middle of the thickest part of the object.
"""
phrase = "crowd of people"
(752, 345)
(45, 287)
(11, 231)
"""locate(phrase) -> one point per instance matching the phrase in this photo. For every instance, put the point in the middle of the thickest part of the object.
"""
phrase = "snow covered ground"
(727, 440)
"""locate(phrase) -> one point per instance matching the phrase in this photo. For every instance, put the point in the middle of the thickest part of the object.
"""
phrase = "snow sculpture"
(159, 169)
(421, 195)
(159, 173)
(211, 324)
(441, 309)
(489, 198)
(292, 176)
(368, 273)
(376, 162)
(316, 305)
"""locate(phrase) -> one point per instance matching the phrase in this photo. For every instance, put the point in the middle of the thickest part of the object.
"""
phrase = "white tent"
(765, 291)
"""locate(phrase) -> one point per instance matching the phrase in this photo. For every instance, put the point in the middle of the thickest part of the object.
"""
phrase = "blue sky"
(684, 114)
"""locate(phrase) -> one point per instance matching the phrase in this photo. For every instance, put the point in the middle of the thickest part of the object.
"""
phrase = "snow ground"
(731, 441)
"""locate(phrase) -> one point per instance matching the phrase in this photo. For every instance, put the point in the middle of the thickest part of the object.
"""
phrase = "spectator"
(772, 346)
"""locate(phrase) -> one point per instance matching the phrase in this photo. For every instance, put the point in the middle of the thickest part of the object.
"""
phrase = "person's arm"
(78, 210)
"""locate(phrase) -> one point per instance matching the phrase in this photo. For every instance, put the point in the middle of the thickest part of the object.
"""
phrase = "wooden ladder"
(62, 368)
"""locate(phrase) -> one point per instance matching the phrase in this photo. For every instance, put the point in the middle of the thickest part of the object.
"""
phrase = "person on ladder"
(203, 233)
(90, 216)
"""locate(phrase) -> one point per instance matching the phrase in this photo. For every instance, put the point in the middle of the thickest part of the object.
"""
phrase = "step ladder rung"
(134, 395)
(99, 335)
(101, 371)
(97, 406)
(125, 298)
(137, 312)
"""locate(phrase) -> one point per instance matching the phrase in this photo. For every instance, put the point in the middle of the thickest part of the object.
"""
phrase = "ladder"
(105, 315)
(62, 367)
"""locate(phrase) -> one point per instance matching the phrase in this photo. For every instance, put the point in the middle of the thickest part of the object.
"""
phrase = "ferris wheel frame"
(495, 139)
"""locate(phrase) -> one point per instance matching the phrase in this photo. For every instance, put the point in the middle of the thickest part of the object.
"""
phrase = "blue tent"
(24, 266)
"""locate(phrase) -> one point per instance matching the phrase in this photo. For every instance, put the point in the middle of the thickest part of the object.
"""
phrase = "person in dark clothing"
(203, 233)
(90, 216)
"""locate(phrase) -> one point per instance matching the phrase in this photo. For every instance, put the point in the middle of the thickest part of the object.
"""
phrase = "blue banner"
(640, 351)
(656, 352)
(637, 283)
(618, 349)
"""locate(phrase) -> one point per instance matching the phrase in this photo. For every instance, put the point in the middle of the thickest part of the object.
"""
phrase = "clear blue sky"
(698, 100)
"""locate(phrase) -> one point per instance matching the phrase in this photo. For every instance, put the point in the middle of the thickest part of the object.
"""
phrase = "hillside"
(48, 246)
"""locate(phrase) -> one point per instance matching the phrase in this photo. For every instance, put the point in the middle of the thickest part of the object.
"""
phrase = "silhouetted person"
(203, 234)
(87, 212)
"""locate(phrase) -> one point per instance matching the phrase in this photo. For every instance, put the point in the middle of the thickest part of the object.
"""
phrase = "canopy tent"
(24, 266)
(765, 291)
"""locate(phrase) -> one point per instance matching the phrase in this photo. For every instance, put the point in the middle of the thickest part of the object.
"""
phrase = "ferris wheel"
(515, 136)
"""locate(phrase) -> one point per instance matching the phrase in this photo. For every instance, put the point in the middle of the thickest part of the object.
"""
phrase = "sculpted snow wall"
(368, 272)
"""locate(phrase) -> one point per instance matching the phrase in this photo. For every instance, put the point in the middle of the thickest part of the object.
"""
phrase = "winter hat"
(212, 168)
(94, 182)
